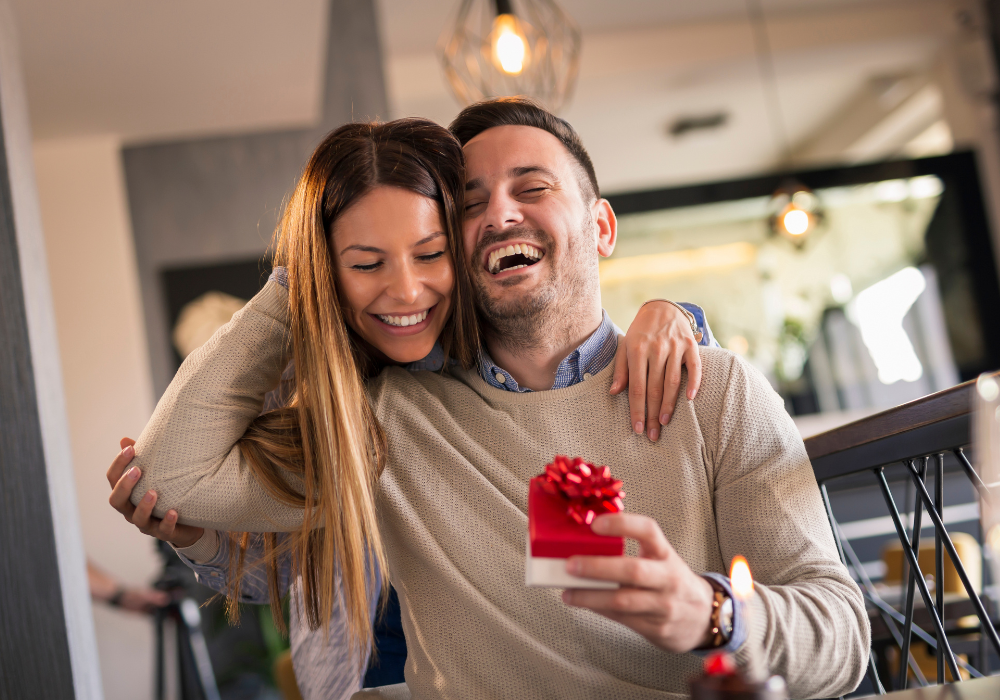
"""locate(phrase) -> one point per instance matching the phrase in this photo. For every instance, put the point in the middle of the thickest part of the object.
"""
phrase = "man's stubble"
(549, 316)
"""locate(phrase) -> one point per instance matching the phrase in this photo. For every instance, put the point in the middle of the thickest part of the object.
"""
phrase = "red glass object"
(563, 502)
(720, 664)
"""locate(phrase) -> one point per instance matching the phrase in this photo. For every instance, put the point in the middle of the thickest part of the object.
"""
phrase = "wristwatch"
(690, 317)
(722, 616)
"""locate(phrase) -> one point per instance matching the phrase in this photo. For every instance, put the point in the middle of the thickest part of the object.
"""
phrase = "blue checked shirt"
(591, 357)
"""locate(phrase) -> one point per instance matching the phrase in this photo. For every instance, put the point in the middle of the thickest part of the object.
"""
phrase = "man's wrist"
(201, 550)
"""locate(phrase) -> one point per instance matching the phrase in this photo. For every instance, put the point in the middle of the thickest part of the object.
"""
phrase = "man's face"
(533, 236)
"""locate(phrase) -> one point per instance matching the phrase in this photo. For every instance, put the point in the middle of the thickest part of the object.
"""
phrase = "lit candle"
(739, 574)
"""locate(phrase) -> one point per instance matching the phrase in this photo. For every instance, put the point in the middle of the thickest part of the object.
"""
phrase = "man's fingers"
(120, 463)
(637, 391)
(126, 442)
(652, 542)
(168, 525)
(654, 396)
(671, 388)
(144, 511)
(122, 491)
(692, 360)
(620, 379)
(629, 571)
(619, 603)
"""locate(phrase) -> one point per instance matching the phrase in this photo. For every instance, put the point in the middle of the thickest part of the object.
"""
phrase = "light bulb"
(509, 44)
(795, 221)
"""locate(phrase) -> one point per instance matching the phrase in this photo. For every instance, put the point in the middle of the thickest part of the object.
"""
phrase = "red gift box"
(561, 505)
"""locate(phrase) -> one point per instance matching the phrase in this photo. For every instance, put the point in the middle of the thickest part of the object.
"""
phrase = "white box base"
(544, 572)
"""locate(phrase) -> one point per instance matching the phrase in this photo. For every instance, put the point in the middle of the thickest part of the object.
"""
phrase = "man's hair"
(520, 111)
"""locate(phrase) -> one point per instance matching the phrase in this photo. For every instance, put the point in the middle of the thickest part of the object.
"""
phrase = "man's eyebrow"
(529, 169)
(519, 171)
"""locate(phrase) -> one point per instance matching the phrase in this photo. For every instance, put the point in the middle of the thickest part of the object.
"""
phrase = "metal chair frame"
(909, 434)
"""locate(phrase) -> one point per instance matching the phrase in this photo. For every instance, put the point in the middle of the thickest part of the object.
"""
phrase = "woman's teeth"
(530, 252)
(403, 321)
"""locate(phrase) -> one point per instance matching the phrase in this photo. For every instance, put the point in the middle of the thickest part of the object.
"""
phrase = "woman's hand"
(141, 515)
(657, 344)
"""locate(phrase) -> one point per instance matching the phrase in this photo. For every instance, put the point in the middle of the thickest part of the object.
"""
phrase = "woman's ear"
(607, 227)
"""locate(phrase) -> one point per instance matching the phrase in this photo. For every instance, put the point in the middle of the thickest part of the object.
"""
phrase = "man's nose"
(406, 285)
(502, 212)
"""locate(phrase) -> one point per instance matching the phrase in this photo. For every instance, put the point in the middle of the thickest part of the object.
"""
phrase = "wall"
(214, 200)
(98, 310)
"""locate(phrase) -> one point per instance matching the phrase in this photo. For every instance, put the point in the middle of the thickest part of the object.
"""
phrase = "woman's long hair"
(323, 450)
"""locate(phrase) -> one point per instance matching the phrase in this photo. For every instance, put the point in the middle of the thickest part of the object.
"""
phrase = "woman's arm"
(658, 343)
(188, 452)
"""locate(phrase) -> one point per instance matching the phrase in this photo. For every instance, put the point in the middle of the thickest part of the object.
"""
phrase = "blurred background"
(821, 176)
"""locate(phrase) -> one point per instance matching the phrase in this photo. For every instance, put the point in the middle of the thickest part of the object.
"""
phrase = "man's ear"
(607, 227)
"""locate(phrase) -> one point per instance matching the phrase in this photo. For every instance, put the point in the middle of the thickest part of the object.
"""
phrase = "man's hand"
(660, 597)
(123, 481)
(658, 343)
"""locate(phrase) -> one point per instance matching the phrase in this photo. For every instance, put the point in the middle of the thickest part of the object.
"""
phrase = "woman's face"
(394, 271)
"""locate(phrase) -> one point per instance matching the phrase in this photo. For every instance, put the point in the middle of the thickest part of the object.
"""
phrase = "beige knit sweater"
(728, 476)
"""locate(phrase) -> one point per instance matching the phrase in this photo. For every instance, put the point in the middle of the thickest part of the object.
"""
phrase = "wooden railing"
(917, 435)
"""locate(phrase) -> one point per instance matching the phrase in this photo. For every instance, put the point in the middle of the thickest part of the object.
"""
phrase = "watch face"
(726, 616)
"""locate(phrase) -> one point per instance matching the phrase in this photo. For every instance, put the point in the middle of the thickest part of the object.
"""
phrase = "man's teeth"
(524, 249)
(411, 320)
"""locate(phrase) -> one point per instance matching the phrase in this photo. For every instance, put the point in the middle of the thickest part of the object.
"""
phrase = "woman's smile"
(405, 323)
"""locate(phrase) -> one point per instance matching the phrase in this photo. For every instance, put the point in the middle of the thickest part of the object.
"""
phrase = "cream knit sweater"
(728, 476)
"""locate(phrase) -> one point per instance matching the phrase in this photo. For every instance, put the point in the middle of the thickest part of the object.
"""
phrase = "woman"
(369, 271)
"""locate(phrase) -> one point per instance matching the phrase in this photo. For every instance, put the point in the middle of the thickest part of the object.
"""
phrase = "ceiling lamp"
(795, 212)
(493, 50)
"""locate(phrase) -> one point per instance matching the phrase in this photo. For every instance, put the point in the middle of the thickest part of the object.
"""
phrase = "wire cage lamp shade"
(496, 48)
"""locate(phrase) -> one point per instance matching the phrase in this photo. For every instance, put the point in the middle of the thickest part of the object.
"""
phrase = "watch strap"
(687, 314)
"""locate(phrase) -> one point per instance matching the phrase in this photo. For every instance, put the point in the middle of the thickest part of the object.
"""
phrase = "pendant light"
(794, 211)
(495, 48)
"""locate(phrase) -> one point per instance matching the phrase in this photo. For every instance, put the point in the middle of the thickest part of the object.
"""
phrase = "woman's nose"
(406, 285)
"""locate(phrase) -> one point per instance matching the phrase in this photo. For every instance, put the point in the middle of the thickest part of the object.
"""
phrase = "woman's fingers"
(671, 387)
(654, 395)
(620, 379)
(637, 390)
(692, 360)
(120, 462)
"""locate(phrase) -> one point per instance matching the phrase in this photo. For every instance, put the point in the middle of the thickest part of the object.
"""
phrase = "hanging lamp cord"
(768, 78)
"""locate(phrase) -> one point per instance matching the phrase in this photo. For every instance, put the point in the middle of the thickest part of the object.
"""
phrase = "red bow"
(590, 490)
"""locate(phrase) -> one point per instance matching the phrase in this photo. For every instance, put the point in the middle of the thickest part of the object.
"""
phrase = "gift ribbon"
(590, 490)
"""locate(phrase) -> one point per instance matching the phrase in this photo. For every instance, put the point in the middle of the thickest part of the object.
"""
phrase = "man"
(729, 474)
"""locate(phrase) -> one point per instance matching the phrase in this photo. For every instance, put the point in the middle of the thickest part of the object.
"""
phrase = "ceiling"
(154, 71)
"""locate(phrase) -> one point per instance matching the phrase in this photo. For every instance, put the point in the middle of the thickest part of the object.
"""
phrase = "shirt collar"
(593, 355)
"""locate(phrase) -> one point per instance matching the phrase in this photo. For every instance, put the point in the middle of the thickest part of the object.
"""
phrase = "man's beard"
(543, 317)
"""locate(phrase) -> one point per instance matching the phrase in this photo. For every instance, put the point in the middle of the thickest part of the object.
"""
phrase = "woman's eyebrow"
(362, 248)
(373, 249)
(428, 239)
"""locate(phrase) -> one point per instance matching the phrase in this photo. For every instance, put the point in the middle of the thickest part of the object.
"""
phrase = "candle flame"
(739, 575)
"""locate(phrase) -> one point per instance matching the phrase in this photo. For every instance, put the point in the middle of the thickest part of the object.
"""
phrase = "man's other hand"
(660, 597)
(657, 344)
(123, 479)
